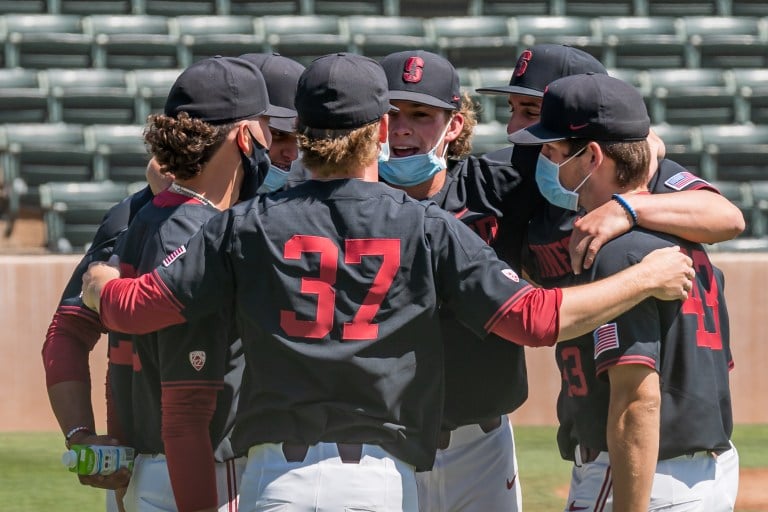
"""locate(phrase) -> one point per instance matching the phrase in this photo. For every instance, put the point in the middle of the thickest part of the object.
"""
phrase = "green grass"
(32, 478)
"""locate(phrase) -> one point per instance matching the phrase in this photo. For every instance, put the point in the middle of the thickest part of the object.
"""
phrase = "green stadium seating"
(641, 42)
(22, 98)
(377, 36)
(726, 42)
(45, 40)
(151, 87)
(178, 7)
(132, 41)
(752, 98)
(266, 7)
(305, 37)
(692, 96)
(734, 152)
(573, 31)
(477, 41)
(488, 137)
(119, 151)
(683, 145)
(206, 36)
(89, 96)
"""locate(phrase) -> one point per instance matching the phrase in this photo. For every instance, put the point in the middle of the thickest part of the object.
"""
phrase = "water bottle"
(97, 459)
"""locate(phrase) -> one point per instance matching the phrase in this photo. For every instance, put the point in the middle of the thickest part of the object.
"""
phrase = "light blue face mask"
(548, 180)
(412, 170)
(273, 181)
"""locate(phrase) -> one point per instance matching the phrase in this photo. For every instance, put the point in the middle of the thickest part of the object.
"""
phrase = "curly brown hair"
(462, 145)
(183, 145)
(329, 152)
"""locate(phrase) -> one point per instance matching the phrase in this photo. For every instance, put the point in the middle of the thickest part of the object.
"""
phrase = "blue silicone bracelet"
(627, 208)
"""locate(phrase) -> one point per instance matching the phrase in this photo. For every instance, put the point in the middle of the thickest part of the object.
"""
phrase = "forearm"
(138, 306)
(586, 307)
(633, 438)
(697, 215)
(71, 404)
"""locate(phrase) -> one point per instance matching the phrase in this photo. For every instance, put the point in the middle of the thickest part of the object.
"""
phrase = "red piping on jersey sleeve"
(186, 416)
(114, 427)
(531, 317)
(628, 359)
(71, 336)
(139, 306)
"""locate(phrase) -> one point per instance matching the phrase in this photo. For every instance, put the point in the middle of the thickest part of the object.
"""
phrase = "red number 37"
(361, 326)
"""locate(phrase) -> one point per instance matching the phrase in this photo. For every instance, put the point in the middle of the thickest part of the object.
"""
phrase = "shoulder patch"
(197, 359)
(682, 179)
(511, 275)
(174, 256)
(606, 338)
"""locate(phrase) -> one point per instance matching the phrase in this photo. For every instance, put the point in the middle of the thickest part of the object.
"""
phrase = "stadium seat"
(740, 244)
(354, 7)
(692, 96)
(686, 7)
(476, 41)
(683, 145)
(516, 7)
(726, 41)
(23, 7)
(752, 97)
(45, 41)
(749, 8)
(89, 96)
(573, 31)
(734, 152)
(592, 8)
(759, 219)
(33, 154)
(266, 7)
(377, 36)
(119, 151)
(151, 87)
(305, 37)
(179, 7)
(494, 107)
(641, 42)
(132, 41)
(73, 212)
(22, 98)
(427, 8)
(488, 137)
(206, 36)
(89, 7)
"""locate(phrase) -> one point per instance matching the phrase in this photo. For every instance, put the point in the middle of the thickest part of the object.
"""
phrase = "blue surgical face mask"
(548, 180)
(412, 170)
(273, 181)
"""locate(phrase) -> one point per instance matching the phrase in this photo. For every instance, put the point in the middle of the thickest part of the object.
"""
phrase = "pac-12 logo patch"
(510, 274)
(174, 256)
(197, 358)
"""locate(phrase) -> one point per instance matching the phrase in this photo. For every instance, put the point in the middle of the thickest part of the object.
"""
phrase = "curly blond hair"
(462, 145)
(336, 152)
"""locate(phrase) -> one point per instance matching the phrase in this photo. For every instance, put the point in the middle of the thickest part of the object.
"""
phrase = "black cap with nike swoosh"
(590, 106)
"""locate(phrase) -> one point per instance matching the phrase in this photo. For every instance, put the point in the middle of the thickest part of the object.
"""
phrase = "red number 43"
(361, 327)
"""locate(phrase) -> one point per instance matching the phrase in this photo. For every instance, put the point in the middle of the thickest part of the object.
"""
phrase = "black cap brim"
(283, 124)
(417, 97)
(510, 89)
(282, 112)
(535, 134)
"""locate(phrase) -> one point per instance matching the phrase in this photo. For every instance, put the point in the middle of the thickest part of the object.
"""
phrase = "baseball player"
(475, 466)
(73, 332)
(281, 75)
(648, 390)
(336, 285)
(699, 213)
(213, 136)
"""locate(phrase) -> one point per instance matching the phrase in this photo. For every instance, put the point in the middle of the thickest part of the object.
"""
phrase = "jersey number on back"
(703, 302)
(361, 326)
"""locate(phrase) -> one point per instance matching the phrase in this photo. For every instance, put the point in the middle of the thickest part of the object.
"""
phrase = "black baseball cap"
(281, 75)
(422, 77)
(541, 65)
(221, 90)
(591, 106)
(342, 91)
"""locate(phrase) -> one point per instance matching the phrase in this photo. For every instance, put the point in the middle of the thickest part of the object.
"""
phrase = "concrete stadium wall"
(30, 287)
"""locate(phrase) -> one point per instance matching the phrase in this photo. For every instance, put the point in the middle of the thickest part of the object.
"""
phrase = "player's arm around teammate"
(698, 213)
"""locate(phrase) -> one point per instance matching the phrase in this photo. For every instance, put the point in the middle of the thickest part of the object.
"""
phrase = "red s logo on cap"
(522, 63)
(414, 69)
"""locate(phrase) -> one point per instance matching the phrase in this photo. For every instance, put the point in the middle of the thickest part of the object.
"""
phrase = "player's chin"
(283, 166)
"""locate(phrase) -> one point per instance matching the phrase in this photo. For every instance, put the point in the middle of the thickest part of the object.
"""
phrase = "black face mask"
(255, 169)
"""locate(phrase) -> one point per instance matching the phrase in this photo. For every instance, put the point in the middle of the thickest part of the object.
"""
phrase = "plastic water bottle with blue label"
(97, 459)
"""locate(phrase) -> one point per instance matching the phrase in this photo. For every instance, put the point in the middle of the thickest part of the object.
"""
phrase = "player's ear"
(384, 128)
(596, 154)
(243, 138)
(456, 124)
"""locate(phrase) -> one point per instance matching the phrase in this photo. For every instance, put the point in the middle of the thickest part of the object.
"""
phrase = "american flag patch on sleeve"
(174, 256)
(606, 338)
(681, 180)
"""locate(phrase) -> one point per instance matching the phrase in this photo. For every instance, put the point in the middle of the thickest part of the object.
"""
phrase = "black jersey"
(336, 286)
(686, 343)
(546, 258)
(488, 377)
(203, 352)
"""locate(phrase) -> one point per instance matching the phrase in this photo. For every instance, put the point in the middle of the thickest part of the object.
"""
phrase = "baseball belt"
(444, 437)
(350, 453)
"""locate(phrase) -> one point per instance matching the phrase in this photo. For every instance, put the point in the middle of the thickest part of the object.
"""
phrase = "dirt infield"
(753, 491)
